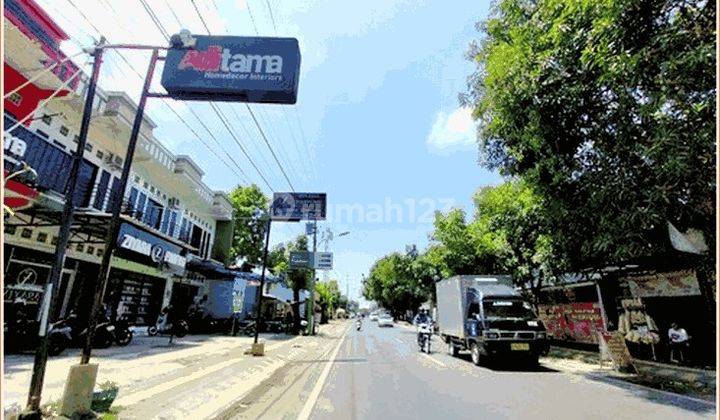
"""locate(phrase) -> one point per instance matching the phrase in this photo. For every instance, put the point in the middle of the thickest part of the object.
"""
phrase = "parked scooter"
(21, 333)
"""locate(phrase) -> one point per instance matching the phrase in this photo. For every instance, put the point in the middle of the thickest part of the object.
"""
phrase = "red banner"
(578, 321)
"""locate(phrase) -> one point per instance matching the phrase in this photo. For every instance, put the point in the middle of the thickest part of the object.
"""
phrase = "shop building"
(169, 216)
(638, 303)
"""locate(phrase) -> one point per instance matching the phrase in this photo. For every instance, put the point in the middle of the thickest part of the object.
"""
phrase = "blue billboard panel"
(234, 68)
(293, 207)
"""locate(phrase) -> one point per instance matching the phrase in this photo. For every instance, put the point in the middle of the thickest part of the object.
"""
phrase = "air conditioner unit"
(113, 161)
(174, 203)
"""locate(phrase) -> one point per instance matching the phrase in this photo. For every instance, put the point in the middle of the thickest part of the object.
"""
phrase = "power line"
(202, 19)
(252, 19)
(264, 137)
(218, 112)
(44, 102)
(40, 73)
(227, 126)
(272, 18)
(257, 124)
(164, 101)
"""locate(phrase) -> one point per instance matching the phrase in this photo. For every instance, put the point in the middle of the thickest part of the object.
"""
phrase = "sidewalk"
(182, 380)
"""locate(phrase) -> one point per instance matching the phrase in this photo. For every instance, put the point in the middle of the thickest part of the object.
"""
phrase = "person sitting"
(679, 342)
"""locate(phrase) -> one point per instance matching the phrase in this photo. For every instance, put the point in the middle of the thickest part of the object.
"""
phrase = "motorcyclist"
(422, 317)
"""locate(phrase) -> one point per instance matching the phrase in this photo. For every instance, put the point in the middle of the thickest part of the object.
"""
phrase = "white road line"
(315, 394)
(432, 359)
(399, 340)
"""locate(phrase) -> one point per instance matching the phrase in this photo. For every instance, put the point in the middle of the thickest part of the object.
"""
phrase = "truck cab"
(505, 327)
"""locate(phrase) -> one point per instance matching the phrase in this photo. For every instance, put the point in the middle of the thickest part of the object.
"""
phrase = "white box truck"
(487, 316)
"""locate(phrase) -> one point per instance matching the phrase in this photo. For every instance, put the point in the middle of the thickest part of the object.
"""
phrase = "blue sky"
(377, 125)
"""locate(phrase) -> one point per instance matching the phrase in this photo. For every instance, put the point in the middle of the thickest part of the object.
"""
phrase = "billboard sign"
(293, 207)
(301, 259)
(323, 261)
(234, 68)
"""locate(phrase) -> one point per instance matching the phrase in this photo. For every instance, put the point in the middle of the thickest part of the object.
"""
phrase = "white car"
(385, 321)
(373, 317)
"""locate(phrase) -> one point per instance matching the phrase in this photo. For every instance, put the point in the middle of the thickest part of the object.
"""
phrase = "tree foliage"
(606, 107)
(249, 230)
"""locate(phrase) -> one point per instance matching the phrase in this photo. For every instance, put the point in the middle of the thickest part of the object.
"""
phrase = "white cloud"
(452, 132)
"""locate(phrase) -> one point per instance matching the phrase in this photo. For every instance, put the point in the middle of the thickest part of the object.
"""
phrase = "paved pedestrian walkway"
(160, 380)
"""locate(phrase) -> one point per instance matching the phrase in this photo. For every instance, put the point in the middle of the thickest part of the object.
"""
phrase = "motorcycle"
(179, 328)
(21, 335)
(358, 324)
(424, 337)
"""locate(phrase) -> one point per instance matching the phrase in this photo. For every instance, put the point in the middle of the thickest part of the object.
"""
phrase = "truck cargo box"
(453, 298)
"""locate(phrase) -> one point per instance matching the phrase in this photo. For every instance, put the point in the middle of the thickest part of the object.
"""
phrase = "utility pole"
(114, 226)
(50, 295)
(311, 306)
(259, 299)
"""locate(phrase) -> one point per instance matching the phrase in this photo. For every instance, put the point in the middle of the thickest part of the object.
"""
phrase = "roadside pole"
(311, 306)
(113, 229)
(51, 295)
(259, 299)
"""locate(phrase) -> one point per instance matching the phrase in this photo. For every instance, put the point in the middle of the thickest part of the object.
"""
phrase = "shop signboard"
(579, 321)
(676, 283)
(293, 207)
(301, 259)
(151, 249)
(234, 68)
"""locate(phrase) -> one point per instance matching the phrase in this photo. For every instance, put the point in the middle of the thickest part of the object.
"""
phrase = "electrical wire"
(264, 137)
(45, 101)
(40, 73)
(164, 101)
(272, 18)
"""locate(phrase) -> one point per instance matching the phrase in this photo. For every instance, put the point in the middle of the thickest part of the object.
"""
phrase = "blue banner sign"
(293, 207)
(151, 249)
(234, 68)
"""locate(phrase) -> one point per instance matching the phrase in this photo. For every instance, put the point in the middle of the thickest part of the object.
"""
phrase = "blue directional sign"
(234, 68)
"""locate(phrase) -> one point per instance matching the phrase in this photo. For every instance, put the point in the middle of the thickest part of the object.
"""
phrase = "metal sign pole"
(258, 318)
(113, 230)
(51, 295)
(311, 305)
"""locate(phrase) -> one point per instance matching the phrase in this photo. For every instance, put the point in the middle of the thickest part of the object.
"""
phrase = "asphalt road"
(378, 373)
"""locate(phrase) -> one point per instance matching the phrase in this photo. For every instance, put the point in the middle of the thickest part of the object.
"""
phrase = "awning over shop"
(210, 269)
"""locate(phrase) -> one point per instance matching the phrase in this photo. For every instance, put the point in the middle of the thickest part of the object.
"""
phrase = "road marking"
(315, 394)
(399, 340)
(136, 397)
(432, 359)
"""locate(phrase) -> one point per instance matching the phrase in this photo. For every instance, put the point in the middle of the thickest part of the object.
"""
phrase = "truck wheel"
(475, 353)
(451, 349)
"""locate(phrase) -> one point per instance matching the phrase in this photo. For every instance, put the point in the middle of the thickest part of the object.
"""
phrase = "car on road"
(385, 321)
(373, 316)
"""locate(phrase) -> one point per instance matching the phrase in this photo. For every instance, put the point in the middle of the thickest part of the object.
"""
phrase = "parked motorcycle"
(21, 334)
(424, 337)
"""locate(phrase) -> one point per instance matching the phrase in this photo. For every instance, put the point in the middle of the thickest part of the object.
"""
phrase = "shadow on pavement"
(657, 396)
(508, 366)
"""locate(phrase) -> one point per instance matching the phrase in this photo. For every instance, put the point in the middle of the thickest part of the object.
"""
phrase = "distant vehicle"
(374, 316)
(486, 315)
(385, 320)
(424, 337)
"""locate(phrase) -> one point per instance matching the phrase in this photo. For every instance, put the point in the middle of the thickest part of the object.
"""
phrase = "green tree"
(509, 220)
(459, 248)
(249, 230)
(296, 279)
(393, 285)
(605, 107)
